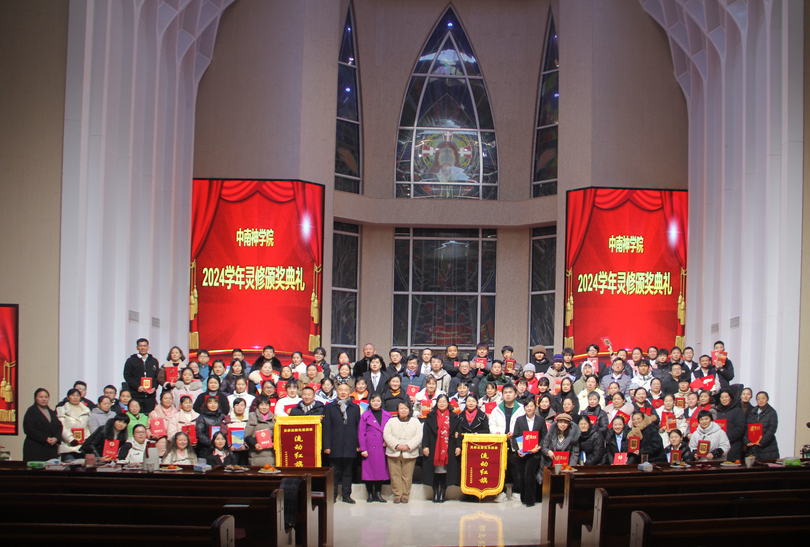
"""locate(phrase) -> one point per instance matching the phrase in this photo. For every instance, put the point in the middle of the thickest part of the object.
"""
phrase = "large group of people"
(656, 405)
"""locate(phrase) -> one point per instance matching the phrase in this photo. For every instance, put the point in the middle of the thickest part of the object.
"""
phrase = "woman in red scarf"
(441, 439)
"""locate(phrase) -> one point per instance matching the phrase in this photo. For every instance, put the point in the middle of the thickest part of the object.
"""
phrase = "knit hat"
(557, 357)
(529, 367)
(539, 349)
(563, 417)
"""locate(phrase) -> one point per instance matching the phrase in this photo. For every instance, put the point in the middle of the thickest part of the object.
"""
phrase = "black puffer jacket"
(602, 423)
(592, 447)
(767, 449)
(735, 427)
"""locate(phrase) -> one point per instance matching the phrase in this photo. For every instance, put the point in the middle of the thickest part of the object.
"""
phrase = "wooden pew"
(316, 499)
(771, 530)
(577, 506)
(219, 534)
(611, 515)
(261, 518)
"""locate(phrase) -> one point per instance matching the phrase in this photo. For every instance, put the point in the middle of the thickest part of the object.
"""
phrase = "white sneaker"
(501, 498)
(516, 496)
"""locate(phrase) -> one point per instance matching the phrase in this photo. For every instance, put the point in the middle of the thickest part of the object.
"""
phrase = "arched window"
(544, 169)
(446, 145)
(348, 174)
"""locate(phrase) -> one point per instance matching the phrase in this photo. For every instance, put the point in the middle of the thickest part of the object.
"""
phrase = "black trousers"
(343, 474)
(513, 467)
(148, 404)
(528, 466)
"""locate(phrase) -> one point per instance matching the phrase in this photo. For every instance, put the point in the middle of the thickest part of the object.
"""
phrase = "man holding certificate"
(140, 374)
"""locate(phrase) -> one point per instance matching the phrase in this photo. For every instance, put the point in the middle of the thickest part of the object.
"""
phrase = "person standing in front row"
(402, 436)
(142, 365)
(341, 422)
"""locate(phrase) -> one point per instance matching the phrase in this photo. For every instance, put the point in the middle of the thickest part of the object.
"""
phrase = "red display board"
(9, 393)
(256, 264)
(625, 268)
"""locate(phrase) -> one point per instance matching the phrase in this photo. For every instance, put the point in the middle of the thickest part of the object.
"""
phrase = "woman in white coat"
(402, 436)
(75, 418)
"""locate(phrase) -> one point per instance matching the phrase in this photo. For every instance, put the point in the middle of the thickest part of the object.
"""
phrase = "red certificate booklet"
(693, 424)
(172, 373)
(78, 434)
(489, 407)
(593, 419)
(530, 440)
(158, 428)
(509, 366)
(288, 408)
(191, 431)
(412, 390)
(657, 403)
(723, 424)
(703, 448)
(555, 385)
(620, 458)
(633, 444)
(455, 405)
(314, 385)
(281, 389)
(719, 357)
(561, 458)
(499, 387)
(680, 402)
(646, 410)
(480, 362)
(754, 433)
(146, 383)
(674, 456)
(110, 449)
(264, 438)
(425, 407)
(623, 415)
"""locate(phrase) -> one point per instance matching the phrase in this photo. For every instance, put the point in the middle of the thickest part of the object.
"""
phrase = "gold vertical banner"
(298, 441)
(483, 464)
(480, 529)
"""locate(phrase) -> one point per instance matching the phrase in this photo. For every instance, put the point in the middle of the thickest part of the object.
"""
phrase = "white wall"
(740, 65)
(133, 68)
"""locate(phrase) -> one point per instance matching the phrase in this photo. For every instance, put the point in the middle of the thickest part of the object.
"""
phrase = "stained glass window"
(544, 170)
(444, 288)
(345, 268)
(446, 146)
(348, 175)
(543, 284)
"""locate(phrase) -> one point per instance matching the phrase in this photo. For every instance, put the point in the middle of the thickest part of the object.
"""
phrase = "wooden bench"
(316, 505)
(262, 519)
(611, 515)
(219, 534)
(576, 507)
(771, 530)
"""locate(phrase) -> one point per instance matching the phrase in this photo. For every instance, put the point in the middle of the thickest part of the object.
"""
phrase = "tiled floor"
(421, 523)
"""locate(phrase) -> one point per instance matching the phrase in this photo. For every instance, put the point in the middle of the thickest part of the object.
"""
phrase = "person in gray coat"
(100, 414)
(561, 437)
(763, 413)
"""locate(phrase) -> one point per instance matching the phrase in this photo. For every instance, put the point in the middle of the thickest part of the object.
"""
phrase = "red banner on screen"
(9, 392)
(256, 261)
(625, 262)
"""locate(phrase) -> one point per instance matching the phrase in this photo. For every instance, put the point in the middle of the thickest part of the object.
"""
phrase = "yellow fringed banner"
(192, 300)
(193, 340)
(314, 342)
(8, 391)
(315, 308)
(680, 341)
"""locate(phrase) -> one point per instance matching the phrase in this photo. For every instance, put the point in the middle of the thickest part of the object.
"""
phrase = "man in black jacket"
(308, 405)
(142, 365)
(376, 378)
(341, 420)
(82, 387)
(361, 366)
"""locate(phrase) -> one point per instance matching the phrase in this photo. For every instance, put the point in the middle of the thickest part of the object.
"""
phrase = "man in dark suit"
(142, 365)
(376, 379)
(341, 420)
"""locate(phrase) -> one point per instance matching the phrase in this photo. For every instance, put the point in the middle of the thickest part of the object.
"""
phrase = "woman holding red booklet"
(210, 421)
(709, 441)
(646, 427)
(591, 443)
(261, 419)
(532, 428)
(107, 443)
(762, 425)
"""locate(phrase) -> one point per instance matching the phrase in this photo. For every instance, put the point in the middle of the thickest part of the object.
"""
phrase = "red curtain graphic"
(219, 206)
(594, 216)
(9, 395)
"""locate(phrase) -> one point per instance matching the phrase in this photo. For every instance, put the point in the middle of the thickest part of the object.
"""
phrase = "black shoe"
(442, 490)
(435, 495)
(378, 497)
(370, 498)
(348, 499)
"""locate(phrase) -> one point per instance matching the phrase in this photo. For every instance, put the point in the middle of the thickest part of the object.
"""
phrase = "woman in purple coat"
(372, 448)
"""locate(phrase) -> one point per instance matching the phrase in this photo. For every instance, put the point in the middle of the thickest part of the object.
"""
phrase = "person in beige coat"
(74, 416)
(402, 436)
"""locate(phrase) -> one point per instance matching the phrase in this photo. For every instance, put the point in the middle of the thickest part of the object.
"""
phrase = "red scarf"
(443, 438)
(471, 415)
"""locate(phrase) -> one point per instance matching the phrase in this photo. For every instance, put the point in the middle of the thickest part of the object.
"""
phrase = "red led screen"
(257, 259)
(625, 262)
